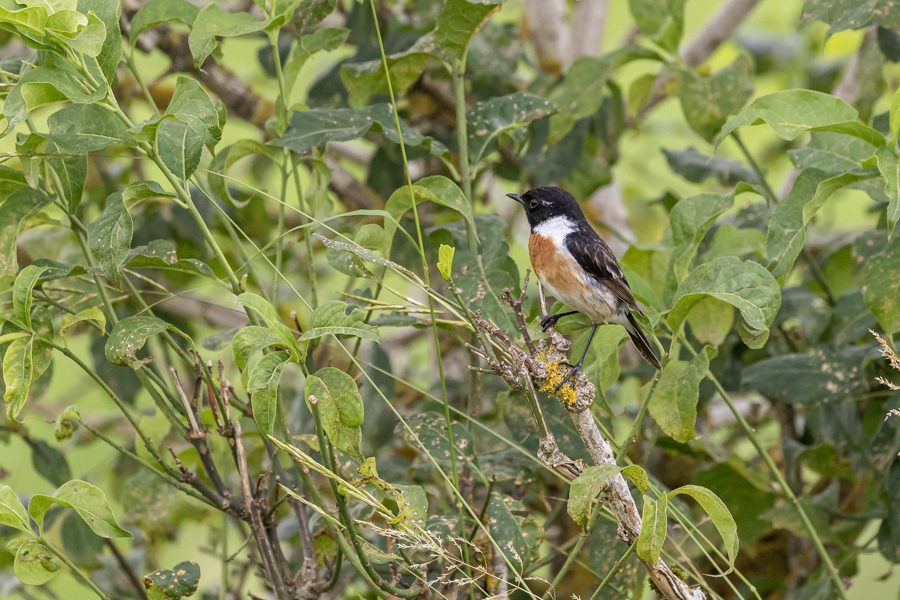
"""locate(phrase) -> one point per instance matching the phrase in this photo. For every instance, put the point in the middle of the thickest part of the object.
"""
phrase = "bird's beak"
(516, 197)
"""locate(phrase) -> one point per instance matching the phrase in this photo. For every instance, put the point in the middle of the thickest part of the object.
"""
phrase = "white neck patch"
(556, 229)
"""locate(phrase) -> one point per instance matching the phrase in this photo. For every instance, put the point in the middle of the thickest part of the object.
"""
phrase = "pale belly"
(596, 301)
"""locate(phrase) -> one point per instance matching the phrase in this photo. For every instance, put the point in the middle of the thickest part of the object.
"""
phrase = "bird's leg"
(576, 368)
(550, 320)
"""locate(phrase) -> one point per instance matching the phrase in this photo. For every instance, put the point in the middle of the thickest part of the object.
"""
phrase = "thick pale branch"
(539, 366)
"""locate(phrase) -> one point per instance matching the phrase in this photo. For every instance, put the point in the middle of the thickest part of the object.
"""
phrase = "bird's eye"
(533, 204)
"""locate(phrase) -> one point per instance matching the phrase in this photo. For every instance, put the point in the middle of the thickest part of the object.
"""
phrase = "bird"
(574, 263)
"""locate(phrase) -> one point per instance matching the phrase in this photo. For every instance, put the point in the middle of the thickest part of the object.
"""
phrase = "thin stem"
(636, 426)
(78, 573)
(427, 278)
(613, 571)
(771, 197)
(574, 553)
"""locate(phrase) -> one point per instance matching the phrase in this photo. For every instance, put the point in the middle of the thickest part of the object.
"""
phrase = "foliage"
(263, 298)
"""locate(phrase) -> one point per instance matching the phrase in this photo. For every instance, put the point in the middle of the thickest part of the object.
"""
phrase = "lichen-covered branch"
(537, 367)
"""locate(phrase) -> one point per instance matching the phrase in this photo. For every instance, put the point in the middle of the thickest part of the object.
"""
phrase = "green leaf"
(829, 374)
(162, 255)
(833, 153)
(268, 314)
(707, 102)
(263, 387)
(213, 22)
(12, 513)
(849, 14)
(34, 563)
(881, 286)
(445, 260)
(192, 105)
(249, 340)
(71, 172)
(747, 286)
(458, 22)
(50, 463)
(42, 86)
(711, 319)
(111, 53)
(129, 335)
(689, 220)
(22, 292)
(319, 125)
(792, 112)
(365, 255)
(429, 434)
(718, 513)
(437, 189)
(179, 146)
(366, 79)
(15, 208)
(88, 314)
(159, 12)
(787, 226)
(889, 167)
(587, 488)
(66, 424)
(697, 168)
(662, 20)
(504, 529)
(179, 582)
(18, 371)
(87, 500)
(84, 128)
(653, 529)
(674, 401)
(489, 119)
(413, 504)
(83, 35)
(332, 318)
(109, 237)
(340, 407)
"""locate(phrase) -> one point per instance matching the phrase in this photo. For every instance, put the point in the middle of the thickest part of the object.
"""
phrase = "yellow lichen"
(555, 374)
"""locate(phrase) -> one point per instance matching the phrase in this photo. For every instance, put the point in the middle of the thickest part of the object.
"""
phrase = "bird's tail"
(640, 341)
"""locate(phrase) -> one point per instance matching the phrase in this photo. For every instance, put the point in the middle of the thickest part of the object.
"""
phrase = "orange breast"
(555, 269)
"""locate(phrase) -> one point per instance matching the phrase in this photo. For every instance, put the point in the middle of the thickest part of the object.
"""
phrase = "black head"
(547, 202)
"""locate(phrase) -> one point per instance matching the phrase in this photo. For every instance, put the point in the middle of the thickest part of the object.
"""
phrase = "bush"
(258, 267)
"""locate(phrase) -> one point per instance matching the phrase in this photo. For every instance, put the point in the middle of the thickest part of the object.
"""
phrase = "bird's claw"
(574, 370)
(548, 322)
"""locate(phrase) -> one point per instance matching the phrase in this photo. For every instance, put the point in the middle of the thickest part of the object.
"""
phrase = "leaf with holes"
(109, 237)
(33, 563)
(489, 119)
(179, 582)
(129, 335)
(828, 374)
(340, 407)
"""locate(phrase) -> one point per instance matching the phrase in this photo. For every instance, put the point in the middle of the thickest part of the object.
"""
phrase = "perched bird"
(578, 268)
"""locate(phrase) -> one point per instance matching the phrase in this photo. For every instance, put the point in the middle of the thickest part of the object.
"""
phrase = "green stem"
(347, 519)
(301, 201)
(636, 426)
(772, 198)
(573, 554)
(427, 278)
(462, 140)
(613, 571)
(78, 573)
(785, 488)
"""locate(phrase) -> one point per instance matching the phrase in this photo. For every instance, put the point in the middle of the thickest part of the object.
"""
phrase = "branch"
(721, 27)
(526, 370)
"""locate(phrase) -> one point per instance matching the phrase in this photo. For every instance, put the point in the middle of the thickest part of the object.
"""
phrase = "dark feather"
(640, 341)
(595, 257)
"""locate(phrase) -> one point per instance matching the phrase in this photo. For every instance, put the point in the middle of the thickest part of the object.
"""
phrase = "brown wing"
(595, 257)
